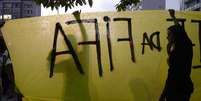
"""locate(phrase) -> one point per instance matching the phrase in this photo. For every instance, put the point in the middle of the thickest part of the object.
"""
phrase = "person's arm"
(171, 73)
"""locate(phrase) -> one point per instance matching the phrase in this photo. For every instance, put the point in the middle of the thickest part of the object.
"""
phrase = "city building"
(153, 4)
(190, 5)
(13, 9)
(149, 5)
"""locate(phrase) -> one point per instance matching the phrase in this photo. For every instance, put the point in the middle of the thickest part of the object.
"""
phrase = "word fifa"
(146, 41)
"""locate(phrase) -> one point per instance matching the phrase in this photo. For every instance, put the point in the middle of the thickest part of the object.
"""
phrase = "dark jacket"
(180, 63)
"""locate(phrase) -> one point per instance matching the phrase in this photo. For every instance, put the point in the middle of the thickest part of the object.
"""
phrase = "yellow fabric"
(30, 43)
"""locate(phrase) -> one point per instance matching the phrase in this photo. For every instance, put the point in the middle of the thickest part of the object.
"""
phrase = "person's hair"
(178, 31)
(180, 35)
(2, 45)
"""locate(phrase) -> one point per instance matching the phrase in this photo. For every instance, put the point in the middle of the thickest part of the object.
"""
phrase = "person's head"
(175, 33)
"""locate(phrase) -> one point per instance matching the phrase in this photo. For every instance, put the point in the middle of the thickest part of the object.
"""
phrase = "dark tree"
(68, 4)
(130, 5)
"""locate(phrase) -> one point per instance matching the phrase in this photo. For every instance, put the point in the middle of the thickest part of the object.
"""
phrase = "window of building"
(7, 5)
(17, 5)
(6, 11)
(16, 11)
(29, 11)
(27, 5)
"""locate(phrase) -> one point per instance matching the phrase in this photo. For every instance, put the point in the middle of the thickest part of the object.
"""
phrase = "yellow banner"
(97, 56)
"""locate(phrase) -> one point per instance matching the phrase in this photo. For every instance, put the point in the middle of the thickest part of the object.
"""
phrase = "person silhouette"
(8, 89)
(179, 85)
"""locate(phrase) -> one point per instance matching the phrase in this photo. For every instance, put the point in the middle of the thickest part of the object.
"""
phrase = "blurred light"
(6, 17)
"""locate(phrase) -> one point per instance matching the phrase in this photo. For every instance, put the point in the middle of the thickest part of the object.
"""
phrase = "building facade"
(153, 4)
(148, 5)
(13, 9)
(190, 5)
